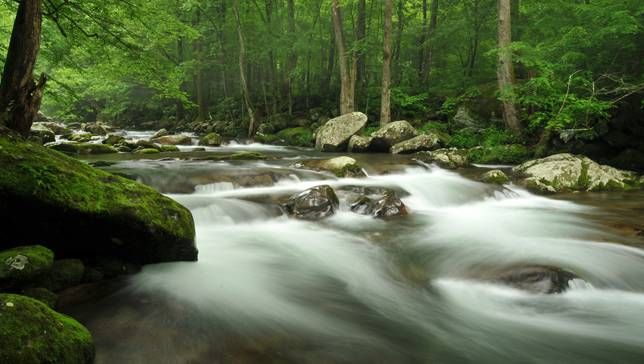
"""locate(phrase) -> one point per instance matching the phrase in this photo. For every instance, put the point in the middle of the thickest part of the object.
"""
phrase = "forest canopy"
(575, 62)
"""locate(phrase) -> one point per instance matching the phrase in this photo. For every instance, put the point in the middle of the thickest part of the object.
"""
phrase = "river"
(354, 289)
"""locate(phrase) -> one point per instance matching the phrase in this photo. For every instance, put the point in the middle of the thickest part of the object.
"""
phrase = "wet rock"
(313, 204)
(147, 151)
(82, 148)
(41, 134)
(56, 128)
(359, 144)
(160, 133)
(113, 139)
(447, 158)
(80, 137)
(173, 140)
(211, 140)
(363, 205)
(168, 148)
(341, 166)
(425, 142)
(495, 176)
(43, 295)
(536, 279)
(389, 206)
(22, 265)
(146, 144)
(96, 128)
(66, 201)
(237, 156)
(31, 332)
(335, 134)
(64, 273)
(567, 172)
(391, 134)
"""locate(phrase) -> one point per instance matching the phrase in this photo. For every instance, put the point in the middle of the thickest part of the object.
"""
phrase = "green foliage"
(300, 136)
(490, 137)
(405, 104)
(502, 154)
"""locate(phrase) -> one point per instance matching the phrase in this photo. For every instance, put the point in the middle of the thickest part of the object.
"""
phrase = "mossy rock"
(147, 151)
(64, 273)
(298, 137)
(502, 154)
(32, 333)
(237, 156)
(82, 212)
(343, 167)
(24, 264)
(495, 176)
(211, 140)
(43, 295)
(168, 148)
(80, 138)
(82, 148)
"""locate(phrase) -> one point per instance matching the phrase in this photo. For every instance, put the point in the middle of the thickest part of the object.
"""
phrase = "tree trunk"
(361, 31)
(242, 72)
(292, 56)
(505, 73)
(181, 111)
(400, 12)
(197, 47)
(20, 94)
(385, 109)
(347, 73)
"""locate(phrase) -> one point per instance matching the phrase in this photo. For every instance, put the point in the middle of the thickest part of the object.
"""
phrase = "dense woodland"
(524, 66)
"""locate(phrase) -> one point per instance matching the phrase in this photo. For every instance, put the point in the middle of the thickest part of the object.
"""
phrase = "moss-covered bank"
(78, 211)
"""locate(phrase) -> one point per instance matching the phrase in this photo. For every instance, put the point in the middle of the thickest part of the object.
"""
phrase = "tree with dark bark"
(20, 93)
(252, 127)
(348, 63)
(385, 102)
(505, 72)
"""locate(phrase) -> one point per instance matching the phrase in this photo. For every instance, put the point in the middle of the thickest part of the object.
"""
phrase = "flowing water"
(354, 289)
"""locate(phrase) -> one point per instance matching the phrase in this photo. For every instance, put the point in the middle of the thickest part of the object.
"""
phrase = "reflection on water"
(352, 289)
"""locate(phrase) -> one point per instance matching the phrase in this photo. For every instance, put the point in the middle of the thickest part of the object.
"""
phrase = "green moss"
(212, 140)
(583, 183)
(503, 154)
(267, 138)
(65, 273)
(24, 264)
(369, 129)
(439, 129)
(43, 295)
(83, 148)
(299, 137)
(147, 151)
(34, 173)
(32, 333)
(168, 148)
(466, 138)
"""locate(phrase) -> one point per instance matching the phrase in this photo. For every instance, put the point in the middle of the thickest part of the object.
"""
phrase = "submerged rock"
(425, 142)
(391, 134)
(211, 140)
(335, 134)
(341, 166)
(313, 204)
(389, 206)
(363, 205)
(80, 211)
(31, 332)
(495, 176)
(536, 279)
(24, 264)
(567, 172)
(447, 158)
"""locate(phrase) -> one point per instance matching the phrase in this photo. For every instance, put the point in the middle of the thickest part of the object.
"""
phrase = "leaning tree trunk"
(20, 94)
(347, 73)
(505, 72)
(242, 72)
(385, 108)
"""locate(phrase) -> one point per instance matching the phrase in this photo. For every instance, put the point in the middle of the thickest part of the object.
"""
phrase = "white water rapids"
(356, 289)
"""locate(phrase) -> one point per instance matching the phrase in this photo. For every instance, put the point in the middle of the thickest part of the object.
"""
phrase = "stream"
(355, 289)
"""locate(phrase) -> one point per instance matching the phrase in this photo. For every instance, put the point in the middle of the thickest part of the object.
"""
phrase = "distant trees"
(505, 69)
(385, 99)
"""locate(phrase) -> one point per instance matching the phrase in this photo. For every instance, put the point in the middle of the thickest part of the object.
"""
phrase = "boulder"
(147, 151)
(80, 137)
(145, 144)
(82, 148)
(95, 128)
(173, 140)
(495, 176)
(64, 273)
(389, 206)
(56, 128)
(335, 134)
(211, 140)
(391, 134)
(41, 134)
(31, 332)
(80, 211)
(447, 158)
(168, 148)
(363, 205)
(160, 133)
(567, 172)
(43, 295)
(113, 140)
(339, 166)
(313, 204)
(425, 142)
(25, 264)
(359, 144)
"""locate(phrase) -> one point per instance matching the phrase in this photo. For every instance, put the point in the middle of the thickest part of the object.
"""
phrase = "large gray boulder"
(391, 134)
(173, 140)
(451, 158)
(41, 134)
(425, 142)
(339, 166)
(335, 134)
(566, 172)
(359, 144)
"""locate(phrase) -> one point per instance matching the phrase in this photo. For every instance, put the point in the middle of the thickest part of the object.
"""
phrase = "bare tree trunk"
(422, 52)
(505, 73)
(20, 94)
(400, 12)
(433, 24)
(347, 73)
(385, 108)
(361, 32)
(292, 57)
(242, 72)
